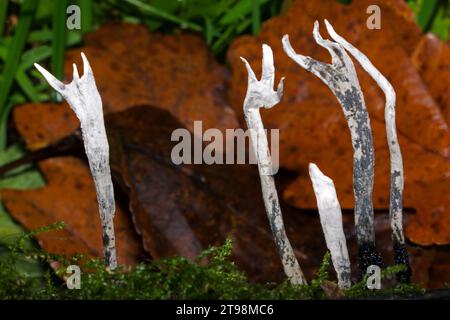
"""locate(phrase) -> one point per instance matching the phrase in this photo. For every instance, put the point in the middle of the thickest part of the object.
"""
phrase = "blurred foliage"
(218, 21)
(23, 177)
(28, 37)
(432, 16)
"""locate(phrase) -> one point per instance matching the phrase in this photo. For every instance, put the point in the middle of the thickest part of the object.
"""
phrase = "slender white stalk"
(397, 180)
(341, 78)
(261, 94)
(331, 221)
(84, 99)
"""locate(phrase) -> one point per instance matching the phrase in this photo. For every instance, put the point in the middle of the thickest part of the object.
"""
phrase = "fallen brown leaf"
(432, 59)
(69, 196)
(43, 124)
(183, 209)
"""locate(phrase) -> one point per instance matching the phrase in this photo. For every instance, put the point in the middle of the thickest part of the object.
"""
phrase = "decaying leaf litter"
(218, 95)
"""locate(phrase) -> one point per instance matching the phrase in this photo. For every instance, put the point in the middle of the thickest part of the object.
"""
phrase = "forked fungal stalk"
(261, 94)
(396, 161)
(331, 221)
(341, 78)
(84, 99)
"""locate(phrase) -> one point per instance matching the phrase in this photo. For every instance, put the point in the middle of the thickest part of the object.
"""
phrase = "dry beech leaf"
(432, 59)
(182, 209)
(69, 196)
(43, 124)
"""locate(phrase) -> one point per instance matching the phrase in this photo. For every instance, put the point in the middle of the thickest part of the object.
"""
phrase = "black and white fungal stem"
(84, 99)
(340, 76)
(331, 221)
(261, 94)
(396, 161)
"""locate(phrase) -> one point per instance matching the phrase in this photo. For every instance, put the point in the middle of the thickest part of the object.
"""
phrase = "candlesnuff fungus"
(396, 189)
(331, 221)
(84, 99)
(341, 78)
(261, 94)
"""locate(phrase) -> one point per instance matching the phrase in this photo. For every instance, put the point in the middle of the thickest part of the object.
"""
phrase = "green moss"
(359, 289)
(212, 276)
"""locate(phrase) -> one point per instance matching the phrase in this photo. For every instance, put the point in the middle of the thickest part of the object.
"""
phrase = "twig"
(341, 78)
(331, 221)
(397, 180)
(84, 99)
(65, 146)
(261, 94)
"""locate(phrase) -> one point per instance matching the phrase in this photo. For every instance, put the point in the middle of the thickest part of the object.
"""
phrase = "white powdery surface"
(340, 76)
(260, 94)
(397, 180)
(84, 99)
(331, 221)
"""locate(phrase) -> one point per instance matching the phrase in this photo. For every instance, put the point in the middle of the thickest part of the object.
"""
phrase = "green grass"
(432, 16)
(87, 18)
(3, 13)
(12, 60)
(58, 42)
(218, 21)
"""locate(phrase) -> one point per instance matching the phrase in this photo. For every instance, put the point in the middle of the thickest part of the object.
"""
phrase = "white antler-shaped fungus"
(397, 180)
(84, 99)
(261, 94)
(341, 78)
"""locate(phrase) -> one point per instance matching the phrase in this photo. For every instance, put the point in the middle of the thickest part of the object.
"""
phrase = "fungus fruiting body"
(261, 94)
(341, 78)
(331, 221)
(84, 99)
(396, 161)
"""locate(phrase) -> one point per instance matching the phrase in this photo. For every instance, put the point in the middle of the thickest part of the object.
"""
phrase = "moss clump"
(212, 276)
(359, 289)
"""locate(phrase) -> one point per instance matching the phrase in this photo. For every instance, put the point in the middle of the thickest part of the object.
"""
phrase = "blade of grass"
(22, 79)
(222, 41)
(209, 30)
(26, 85)
(34, 55)
(441, 24)
(256, 17)
(152, 11)
(428, 12)
(43, 35)
(58, 42)
(86, 15)
(27, 10)
(3, 11)
(243, 26)
(240, 10)
(15, 99)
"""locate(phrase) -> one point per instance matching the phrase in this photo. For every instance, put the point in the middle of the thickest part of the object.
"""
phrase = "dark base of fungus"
(401, 257)
(368, 256)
